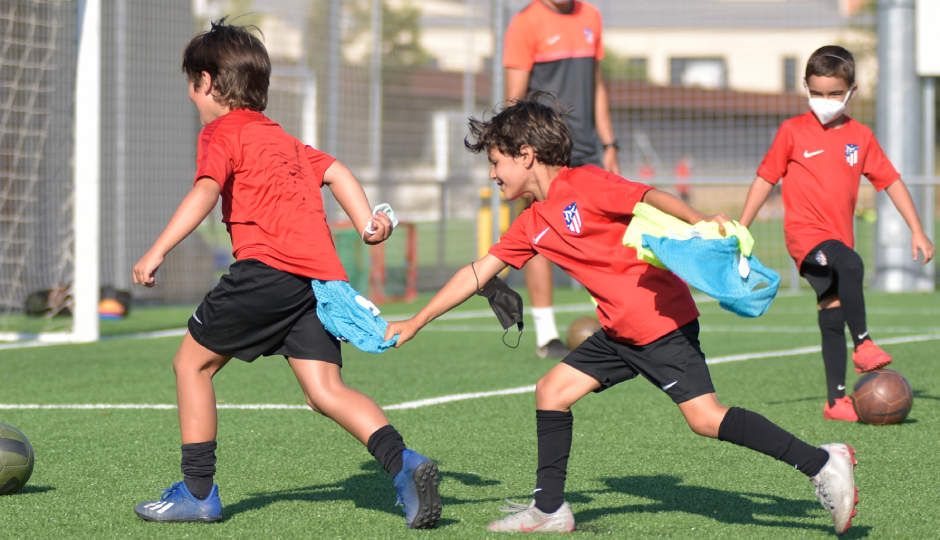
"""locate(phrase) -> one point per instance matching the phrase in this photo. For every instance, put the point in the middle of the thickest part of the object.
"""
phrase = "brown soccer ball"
(882, 397)
(581, 329)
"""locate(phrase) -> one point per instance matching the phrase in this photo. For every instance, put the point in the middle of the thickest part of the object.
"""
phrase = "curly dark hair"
(525, 122)
(237, 62)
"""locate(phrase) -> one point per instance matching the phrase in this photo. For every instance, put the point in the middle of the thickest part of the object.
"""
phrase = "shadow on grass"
(669, 494)
(27, 489)
(372, 489)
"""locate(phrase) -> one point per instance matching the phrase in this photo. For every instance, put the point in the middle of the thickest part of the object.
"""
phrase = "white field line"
(421, 403)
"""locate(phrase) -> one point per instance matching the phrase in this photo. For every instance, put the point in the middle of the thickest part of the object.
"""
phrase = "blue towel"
(350, 316)
(715, 267)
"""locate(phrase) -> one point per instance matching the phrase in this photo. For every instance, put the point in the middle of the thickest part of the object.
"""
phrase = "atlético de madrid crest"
(572, 218)
(851, 154)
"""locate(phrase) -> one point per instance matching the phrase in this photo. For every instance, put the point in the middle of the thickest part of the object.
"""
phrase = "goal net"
(43, 290)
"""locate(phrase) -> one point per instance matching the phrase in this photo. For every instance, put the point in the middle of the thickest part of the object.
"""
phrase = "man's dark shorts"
(675, 362)
(256, 310)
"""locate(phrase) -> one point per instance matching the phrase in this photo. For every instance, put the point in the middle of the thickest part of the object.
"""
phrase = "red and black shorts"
(256, 310)
(675, 362)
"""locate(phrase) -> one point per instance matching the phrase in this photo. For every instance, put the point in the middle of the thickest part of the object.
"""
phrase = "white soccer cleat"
(524, 518)
(835, 485)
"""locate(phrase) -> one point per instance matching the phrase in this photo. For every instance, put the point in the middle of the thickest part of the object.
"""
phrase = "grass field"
(636, 470)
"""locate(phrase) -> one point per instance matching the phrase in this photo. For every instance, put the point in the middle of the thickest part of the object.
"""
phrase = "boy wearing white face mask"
(821, 156)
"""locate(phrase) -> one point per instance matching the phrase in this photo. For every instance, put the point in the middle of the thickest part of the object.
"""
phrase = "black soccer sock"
(832, 328)
(386, 445)
(851, 272)
(554, 444)
(198, 466)
(751, 430)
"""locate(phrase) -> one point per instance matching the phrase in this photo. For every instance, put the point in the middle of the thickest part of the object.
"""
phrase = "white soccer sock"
(545, 329)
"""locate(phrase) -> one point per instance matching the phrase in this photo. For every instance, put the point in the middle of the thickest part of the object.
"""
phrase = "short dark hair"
(832, 61)
(237, 62)
(526, 121)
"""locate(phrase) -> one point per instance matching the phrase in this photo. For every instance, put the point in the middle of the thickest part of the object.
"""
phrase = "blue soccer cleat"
(416, 485)
(178, 504)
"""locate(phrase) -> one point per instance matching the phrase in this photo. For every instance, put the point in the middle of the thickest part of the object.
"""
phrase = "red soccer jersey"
(580, 227)
(271, 201)
(821, 168)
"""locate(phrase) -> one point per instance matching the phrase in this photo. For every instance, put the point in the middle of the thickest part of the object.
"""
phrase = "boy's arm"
(464, 283)
(756, 197)
(352, 198)
(678, 208)
(189, 214)
(604, 126)
(901, 198)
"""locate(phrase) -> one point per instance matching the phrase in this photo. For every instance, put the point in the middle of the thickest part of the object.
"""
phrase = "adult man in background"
(555, 46)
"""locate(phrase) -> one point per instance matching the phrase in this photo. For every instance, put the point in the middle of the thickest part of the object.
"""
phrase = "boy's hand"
(145, 269)
(378, 230)
(720, 219)
(404, 329)
(920, 244)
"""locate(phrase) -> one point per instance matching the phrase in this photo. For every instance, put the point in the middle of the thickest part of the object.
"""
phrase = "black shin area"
(386, 445)
(198, 466)
(850, 271)
(554, 444)
(832, 328)
(751, 430)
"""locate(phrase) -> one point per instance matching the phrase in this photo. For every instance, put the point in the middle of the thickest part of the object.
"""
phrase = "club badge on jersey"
(572, 218)
(851, 154)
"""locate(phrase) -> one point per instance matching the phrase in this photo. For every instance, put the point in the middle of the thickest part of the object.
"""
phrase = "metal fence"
(697, 87)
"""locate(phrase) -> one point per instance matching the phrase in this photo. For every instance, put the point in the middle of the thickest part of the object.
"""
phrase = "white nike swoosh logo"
(807, 154)
(540, 235)
(553, 40)
(840, 387)
(670, 385)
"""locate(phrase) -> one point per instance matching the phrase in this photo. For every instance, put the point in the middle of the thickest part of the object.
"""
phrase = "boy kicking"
(650, 322)
(271, 203)
(821, 156)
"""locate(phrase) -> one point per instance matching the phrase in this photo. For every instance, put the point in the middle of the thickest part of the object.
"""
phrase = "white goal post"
(49, 197)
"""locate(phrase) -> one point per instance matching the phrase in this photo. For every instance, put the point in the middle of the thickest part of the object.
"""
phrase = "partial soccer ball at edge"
(16, 459)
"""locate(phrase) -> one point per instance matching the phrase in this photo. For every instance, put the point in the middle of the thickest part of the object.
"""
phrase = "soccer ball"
(16, 459)
(581, 329)
(882, 397)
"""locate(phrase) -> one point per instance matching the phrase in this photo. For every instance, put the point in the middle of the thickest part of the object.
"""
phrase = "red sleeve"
(775, 162)
(514, 247)
(518, 45)
(616, 197)
(214, 156)
(319, 161)
(878, 168)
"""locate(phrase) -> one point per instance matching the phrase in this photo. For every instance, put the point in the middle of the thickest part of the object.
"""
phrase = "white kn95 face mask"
(827, 110)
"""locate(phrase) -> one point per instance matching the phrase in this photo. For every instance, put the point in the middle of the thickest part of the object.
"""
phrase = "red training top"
(821, 168)
(580, 227)
(271, 201)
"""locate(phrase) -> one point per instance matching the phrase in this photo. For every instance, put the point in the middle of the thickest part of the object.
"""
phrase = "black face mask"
(506, 304)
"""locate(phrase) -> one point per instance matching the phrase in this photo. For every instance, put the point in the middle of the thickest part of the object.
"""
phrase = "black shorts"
(257, 310)
(675, 362)
(818, 269)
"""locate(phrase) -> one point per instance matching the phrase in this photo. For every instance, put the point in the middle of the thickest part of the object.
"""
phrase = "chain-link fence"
(697, 90)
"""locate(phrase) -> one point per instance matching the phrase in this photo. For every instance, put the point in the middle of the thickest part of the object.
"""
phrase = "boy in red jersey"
(270, 184)
(821, 155)
(649, 320)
